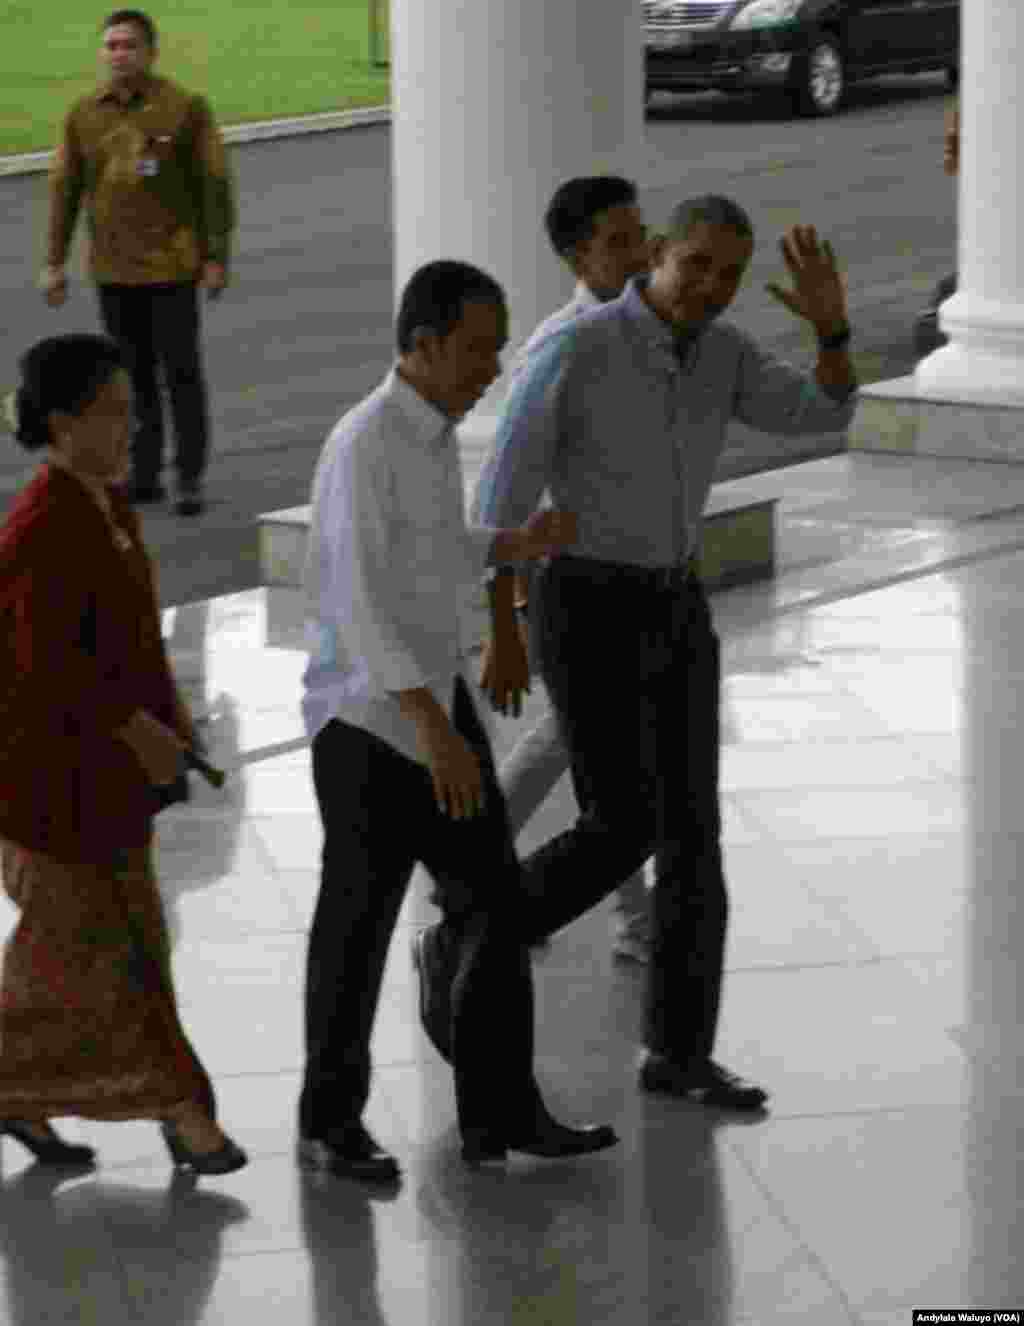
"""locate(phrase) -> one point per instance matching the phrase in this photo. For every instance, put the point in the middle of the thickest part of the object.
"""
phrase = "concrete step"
(892, 418)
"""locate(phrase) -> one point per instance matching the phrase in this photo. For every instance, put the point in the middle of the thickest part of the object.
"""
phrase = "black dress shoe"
(227, 1158)
(705, 1084)
(48, 1150)
(554, 1140)
(435, 991)
(350, 1151)
(190, 500)
(483, 1150)
(144, 492)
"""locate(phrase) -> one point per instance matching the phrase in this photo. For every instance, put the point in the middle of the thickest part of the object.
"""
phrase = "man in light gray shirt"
(401, 763)
(594, 224)
(621, 417)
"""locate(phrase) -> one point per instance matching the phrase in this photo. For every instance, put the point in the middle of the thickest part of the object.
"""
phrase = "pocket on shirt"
(326, 646)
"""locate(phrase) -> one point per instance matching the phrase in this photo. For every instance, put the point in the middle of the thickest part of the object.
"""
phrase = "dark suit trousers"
(157, 328)
(632, 667)
(380, 817)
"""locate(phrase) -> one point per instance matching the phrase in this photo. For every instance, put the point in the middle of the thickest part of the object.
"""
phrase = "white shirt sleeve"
(373, 607)
(480, 549)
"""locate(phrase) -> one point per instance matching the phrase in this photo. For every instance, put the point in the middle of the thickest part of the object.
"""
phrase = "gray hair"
(713, 210)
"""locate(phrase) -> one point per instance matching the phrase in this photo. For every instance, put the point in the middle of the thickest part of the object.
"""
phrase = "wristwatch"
(837, 340)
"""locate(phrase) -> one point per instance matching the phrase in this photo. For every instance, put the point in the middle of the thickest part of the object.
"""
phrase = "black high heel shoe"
(50, 1150)
(225, 1160)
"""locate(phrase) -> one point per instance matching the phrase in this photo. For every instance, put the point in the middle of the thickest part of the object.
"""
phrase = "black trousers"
(632, 666)
(157, 328)
(380, 817)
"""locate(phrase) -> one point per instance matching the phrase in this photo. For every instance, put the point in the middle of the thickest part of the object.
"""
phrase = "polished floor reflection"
(873, 775)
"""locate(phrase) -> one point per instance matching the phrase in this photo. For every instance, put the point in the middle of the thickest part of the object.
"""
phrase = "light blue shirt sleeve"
(776, 398)
(529, 430)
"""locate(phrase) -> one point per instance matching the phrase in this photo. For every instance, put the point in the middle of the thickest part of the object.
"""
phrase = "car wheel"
(820, 80)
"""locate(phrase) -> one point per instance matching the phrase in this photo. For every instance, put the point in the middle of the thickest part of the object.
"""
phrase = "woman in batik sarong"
(91, 727)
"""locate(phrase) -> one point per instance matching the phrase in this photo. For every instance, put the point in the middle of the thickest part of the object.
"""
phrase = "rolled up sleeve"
(371, 606)
(215, 187)
(66, 185)
(774, 397)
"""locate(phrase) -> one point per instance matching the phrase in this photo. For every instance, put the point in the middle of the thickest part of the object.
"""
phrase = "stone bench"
(738, 544)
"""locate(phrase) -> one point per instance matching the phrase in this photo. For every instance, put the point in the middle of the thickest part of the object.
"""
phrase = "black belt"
(680, 576)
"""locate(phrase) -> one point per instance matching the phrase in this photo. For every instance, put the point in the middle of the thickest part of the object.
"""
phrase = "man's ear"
(422, 342)
(59, 423)
(657, 243)
(573, 259)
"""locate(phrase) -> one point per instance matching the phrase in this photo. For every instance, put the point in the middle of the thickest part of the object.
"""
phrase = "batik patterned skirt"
(88, 1020)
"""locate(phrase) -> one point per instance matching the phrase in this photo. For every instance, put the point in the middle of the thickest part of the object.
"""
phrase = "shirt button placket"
(678, 532)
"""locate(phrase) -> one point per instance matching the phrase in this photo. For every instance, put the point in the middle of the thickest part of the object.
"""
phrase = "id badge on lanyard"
(149, 163)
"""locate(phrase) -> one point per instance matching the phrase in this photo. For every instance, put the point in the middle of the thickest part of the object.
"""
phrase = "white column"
(495, 103)
(984, 361)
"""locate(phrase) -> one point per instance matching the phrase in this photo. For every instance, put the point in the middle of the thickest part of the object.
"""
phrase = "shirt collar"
(430, 426)
(643, 317)
(584, 298)
(140, 91)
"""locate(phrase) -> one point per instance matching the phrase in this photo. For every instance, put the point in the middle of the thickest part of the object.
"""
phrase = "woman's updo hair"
(64, 373)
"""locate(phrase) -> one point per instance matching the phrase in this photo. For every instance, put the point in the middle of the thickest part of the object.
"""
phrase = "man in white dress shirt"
(401, 763)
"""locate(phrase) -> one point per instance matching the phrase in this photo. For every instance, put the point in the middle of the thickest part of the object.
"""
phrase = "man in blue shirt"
(595, 226)
(621, 417)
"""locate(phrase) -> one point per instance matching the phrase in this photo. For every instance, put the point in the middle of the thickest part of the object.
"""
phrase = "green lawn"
(254, 59)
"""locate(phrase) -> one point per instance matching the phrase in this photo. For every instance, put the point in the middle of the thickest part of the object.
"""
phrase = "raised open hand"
(818, 293)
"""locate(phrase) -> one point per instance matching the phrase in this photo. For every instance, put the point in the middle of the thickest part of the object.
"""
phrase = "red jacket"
(80, 650)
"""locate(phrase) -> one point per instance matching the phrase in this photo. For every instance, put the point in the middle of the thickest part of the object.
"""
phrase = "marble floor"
(872, 784)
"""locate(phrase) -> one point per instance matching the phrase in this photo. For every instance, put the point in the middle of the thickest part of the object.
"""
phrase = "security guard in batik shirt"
(147, 160)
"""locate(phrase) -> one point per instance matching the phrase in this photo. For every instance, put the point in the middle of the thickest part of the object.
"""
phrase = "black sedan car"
(809, 49)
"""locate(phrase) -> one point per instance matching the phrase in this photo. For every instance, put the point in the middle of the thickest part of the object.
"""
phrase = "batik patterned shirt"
(152, 172)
